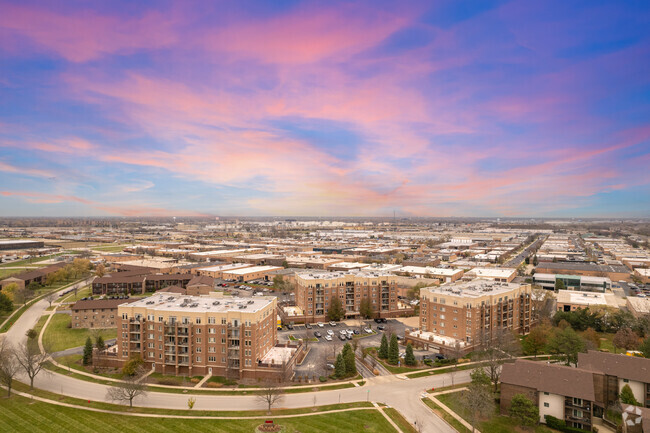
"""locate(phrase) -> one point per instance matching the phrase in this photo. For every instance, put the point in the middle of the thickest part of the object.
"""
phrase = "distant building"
(613, 272)
(573, 282)
(504, 275)
(39, 276)
(97, 313)
(138, 282)
(570, 300)
(639, 307)
(17, 244)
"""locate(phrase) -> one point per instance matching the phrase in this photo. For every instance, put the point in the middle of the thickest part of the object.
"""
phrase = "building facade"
(472, 312)
(98, 313)
(314, 292)
(198, 335)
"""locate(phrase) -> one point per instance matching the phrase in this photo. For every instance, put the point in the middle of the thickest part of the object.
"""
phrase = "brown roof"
(173, 289)
(201, 280)
(556, 379)
(622, 366)
(169, 277)
(90, 304)
(30, 275)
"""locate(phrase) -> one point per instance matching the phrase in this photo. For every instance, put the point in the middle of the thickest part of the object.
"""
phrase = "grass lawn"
(398, 419)
(58, 336)
(81, 293)
(394, 368)
(20, 415)
(109, 248)
(496, 424)
(4, 273)
(445, 415)
(29, 262)
(160, 379)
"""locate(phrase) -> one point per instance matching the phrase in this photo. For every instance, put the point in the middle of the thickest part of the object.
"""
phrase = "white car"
(321, 325)
(328, 337)
(368, 331)
(330, 332)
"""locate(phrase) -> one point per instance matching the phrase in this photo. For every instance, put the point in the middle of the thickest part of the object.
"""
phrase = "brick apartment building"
(39, 276)
(471, 313)
(315, 290)
(198, 335)
(97, 313)
(139, 282)
(580, 396)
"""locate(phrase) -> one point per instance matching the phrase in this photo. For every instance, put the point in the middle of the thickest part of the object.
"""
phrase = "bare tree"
(504, 347)
(31, 359)
(478, 401)
(541, 303)
(270, 394)
(127, 390)
(51, 298)
(9, 365)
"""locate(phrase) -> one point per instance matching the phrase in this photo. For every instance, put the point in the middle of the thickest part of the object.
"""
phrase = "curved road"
(402, 394)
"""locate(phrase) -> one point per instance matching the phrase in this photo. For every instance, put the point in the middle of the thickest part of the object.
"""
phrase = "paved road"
(516, 261)
(404, 395)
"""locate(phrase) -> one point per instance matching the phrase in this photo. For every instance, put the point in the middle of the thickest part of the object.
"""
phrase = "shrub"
(427, 362)
(322, 378)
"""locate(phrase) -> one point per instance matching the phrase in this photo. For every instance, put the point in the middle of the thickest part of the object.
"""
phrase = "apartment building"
(315, 290)
(580, 396)
(471, 313)
(137, 282)
(198, 335)
(97, 313)
(504, 275)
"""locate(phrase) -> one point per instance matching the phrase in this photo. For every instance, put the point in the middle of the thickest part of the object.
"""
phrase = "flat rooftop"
(253, 269)
(585, 298)
(227, 267)
(473, 289)
(162, 301)
(429, 270)
(492, 272)
(323, 275)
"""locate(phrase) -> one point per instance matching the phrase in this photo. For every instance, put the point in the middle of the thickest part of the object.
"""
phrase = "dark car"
(356, 331)
(399, 338)
(290, 326)
(317, 334)
(381, 327)
(307, 325)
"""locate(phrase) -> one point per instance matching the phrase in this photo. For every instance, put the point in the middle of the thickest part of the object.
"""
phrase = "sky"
(337, 108)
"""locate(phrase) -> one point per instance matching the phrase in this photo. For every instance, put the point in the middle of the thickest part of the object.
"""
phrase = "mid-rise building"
(471, 313)
(314, 292)
(198, 335)
(96, 313)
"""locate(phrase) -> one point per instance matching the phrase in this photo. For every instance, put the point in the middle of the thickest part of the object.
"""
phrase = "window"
(198, 320)
(212, 320)
(546, 393)
(546, 405)
(577, 401)
(198, 359)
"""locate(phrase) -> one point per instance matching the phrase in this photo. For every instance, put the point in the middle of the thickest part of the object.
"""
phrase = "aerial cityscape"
(345, 216)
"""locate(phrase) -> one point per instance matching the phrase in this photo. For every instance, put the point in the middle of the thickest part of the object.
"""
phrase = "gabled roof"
(201, 280)
(622, 366)
(552, 378)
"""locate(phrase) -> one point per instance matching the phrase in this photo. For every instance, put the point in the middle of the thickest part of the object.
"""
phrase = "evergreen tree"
(350, 362)
(627, 396)
(99, 343)
(409, 358)
(88, 352)
(645, 347)
(393, 350)
(335, 311)
(383, 347)
(365, 309)
(6, 305)
(524, 410)
(339, 366)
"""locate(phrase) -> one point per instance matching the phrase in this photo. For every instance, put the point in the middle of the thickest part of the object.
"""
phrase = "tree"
(270, 394)
(536, 340)
(559, 285)
(383, 347)
(6, 306)
(625, 339)
(279, 284)
(503, 346)
(100, 270)
(365, 309)
(478, 401)
(480, 377)
(31, 334)
(51, 298)
(285, 264)
(99, 344)
(335, 311)
(339, 366)
(627, 396)
(524, 410)
(133, 365)
(31, 359)
(409, 358)
(10, 291)
(88, 352)
(393, 350)
(535, 260)
(349, 361)
(592, 338)
(567, 344)
(128, 389)
(645, 347)
(9, 365)
(33, 286)
(21, 296)
(541, 303)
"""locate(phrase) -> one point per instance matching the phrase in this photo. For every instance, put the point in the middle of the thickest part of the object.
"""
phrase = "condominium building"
(198, 335)
(471, 313)
(314, 292)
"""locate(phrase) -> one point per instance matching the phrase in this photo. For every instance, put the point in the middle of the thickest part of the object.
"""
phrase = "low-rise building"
(613, 272)
(504, 275)
(643, 274)
(252, 273)
(96, 313)
(443, 275)
(573, 282)
(570, 300)
(639, 307)
(39, 276)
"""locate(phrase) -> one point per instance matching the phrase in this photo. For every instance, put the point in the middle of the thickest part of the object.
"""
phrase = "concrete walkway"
(433, 398)
(381, 410)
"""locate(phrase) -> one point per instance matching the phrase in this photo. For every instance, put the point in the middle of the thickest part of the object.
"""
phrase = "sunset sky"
(438, 108)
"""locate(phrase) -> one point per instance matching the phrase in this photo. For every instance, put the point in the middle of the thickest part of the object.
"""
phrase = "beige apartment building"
(315, 290)
(199, 335)
(470, 313)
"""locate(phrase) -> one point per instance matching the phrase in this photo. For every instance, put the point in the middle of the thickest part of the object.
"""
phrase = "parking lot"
(323, 352)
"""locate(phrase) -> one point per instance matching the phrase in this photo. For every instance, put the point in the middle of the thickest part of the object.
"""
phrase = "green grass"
(109, 248)
(495, 424)
(398, 419)
(5, 273)
(160, 379)
(20, 415)
(29, 262)
(81, 293)
(58, 336)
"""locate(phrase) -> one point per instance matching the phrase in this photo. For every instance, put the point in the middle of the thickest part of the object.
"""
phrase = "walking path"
(389, 419)
(433, 398)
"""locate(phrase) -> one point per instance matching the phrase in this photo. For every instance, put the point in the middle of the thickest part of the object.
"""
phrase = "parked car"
(330, 332)
(332, 323)
(343, 332)
(321, 324)
(290, 326)
(380, 320)
(356, 331)
(342, 337)
(328, 337)
(307, 325)
(331, 366)
(368, 331)
(317, 334)
(349, 336)
(381, 327)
